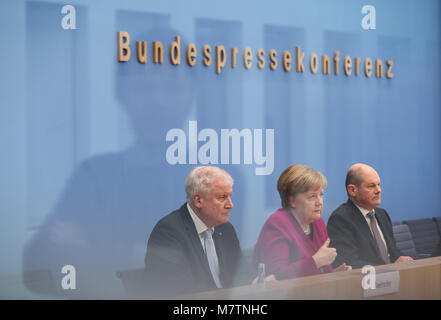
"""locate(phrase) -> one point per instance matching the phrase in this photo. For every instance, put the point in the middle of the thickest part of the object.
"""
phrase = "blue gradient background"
(83, 170)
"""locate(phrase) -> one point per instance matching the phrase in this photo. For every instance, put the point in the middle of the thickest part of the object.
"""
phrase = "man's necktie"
(208, 239)
(377, 236)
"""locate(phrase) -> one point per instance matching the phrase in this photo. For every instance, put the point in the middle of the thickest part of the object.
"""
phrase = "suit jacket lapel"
(218, 243)
(195, 240)
(363, 226)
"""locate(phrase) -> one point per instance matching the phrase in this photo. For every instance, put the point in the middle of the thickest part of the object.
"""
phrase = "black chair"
(424, 234)
(404, 240)
(247, 264)
(134, 282)
(437, 251)
(438, 224)
(248, 254)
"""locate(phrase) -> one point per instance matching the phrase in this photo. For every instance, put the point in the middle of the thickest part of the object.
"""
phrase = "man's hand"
(404, 259)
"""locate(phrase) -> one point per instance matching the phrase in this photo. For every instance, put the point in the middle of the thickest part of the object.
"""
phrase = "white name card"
(386, 282)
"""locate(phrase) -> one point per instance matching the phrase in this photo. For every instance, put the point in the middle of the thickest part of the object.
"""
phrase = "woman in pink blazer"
(293, 241)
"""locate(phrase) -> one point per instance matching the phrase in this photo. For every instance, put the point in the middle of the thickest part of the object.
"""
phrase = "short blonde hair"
(296, 179)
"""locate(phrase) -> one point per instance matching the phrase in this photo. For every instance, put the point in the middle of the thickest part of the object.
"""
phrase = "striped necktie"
(377, 236)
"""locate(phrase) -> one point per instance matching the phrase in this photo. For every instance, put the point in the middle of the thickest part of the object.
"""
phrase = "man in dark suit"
(359, 230)
(195, 248)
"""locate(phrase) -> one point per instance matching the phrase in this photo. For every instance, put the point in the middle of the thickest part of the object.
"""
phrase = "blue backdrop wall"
(95, 151)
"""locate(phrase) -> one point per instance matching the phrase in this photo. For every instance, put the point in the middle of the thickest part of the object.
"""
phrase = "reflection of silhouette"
(106, 212)
(102, 221)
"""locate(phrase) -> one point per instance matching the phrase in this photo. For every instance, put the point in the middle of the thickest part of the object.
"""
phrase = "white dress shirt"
(200, 229)
(365, 212)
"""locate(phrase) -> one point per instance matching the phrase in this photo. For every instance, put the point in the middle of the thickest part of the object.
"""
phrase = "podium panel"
(418, 279)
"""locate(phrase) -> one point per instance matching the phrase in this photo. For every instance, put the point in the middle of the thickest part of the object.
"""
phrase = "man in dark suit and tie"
(195, 248)
(359, 230)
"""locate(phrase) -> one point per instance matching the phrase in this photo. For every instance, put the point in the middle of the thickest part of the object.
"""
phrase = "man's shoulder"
(279, 218)
(344, 210)
(173, 219)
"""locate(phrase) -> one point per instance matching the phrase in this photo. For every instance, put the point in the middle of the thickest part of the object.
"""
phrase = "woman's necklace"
(306, 230)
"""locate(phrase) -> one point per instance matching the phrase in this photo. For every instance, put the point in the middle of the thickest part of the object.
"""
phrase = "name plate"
(386, 282)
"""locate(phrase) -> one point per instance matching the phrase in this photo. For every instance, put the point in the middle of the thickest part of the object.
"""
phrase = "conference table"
(418, 279)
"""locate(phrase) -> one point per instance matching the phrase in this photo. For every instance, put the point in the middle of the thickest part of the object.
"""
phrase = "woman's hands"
(325, 255)
(343, 267)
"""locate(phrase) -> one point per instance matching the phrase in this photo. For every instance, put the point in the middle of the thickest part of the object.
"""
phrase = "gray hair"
(200, 179)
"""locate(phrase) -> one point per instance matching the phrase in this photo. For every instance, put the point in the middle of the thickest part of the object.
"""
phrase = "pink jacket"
(286, 250)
